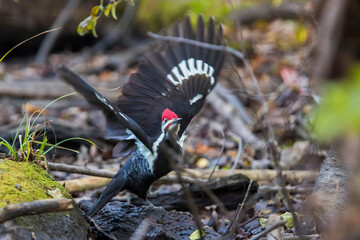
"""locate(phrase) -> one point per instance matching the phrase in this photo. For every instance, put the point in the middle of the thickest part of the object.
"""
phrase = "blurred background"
(304, 55)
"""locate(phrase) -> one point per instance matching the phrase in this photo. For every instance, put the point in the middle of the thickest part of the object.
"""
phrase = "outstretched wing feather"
(178, 77)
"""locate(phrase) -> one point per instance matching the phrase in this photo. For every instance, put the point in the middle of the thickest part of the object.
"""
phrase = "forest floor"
(233, 131)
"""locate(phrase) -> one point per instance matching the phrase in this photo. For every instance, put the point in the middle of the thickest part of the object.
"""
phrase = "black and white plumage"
(156, 106)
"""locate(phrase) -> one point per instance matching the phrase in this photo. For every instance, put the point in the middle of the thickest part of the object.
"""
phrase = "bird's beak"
(176, 121)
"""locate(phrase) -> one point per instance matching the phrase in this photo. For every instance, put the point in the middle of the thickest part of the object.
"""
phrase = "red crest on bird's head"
(168, 114)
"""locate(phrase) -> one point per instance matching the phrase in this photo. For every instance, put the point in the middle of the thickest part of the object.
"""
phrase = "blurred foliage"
(277, 3)
(285, 35)
(338, 113)
(89, 23)
(157, 14)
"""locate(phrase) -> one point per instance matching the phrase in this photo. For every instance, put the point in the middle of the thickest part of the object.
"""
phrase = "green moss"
(24, 182)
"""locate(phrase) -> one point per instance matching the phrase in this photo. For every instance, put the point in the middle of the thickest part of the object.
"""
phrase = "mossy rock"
(26, 181)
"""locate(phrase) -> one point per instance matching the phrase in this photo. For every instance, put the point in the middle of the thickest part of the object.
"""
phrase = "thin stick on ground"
(273, 146)
(35, 207)
(218, 160)
(238, 210)
(266, 231)
(191, 202)
(79, 169)
(108, 235)
(140, 232)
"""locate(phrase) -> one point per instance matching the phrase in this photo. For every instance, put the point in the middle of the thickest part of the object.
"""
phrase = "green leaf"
(263, 221)
(42, 146)
(82, 29)
(289, 218)
(94, 11)
(93, 25)
(113, 10)
(8, 146)
(196, 235)
(107, 9)
(65, 140)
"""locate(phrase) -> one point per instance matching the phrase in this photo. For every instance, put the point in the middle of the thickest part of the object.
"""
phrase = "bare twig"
(233, 100)
(254, 174)
(252, 219)
(197, 43)
(79, 169)
(110, 236)
(208, 191)
(175, 162)
(193, 176)
(266, 231)
(34, 207)
(290, 189)
(141, 231)
(273, 146)
(218, 160)
(235, 122)
(238, 155)
(305, 237)
(50, 39)
(239, 209)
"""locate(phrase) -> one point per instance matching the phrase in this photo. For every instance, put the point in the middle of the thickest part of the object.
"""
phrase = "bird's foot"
(149, 205)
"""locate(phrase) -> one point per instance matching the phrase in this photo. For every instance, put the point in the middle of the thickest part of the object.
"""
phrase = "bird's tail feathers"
(116, 185)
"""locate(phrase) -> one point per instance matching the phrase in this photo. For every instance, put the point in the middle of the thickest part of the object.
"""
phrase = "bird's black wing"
(119, 126)
(178, 77)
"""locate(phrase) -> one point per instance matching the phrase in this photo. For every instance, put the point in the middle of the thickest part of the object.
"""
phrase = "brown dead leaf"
(30, 108)
(204, 149)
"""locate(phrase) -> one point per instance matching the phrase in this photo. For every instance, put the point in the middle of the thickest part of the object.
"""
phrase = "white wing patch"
(190, 69)
(196, 98)
(101, 98)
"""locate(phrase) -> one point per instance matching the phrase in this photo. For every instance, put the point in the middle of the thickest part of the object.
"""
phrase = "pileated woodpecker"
(156, 106)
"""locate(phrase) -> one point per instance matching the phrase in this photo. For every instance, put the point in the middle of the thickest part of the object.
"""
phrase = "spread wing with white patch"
(179, 76)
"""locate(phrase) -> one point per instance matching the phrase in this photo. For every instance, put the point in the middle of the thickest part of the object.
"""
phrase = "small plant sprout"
(30, 147)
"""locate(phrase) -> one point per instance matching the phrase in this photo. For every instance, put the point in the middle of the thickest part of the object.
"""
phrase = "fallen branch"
(190, 176)
(79, 169)
(35, 207)
(290, 189)
(83, 184)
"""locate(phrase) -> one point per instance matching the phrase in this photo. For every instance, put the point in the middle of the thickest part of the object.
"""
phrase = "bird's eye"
(164, 122)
